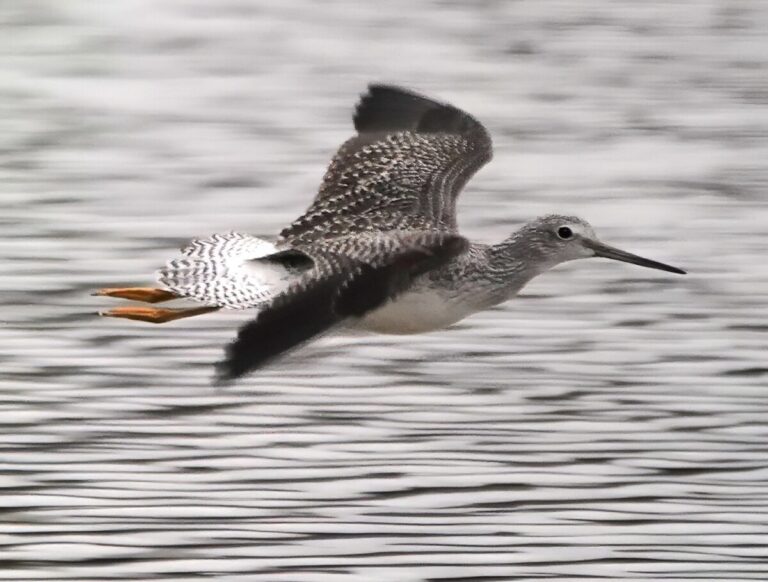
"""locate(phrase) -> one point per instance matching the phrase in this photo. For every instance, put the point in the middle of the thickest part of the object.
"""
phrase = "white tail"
(222, 270)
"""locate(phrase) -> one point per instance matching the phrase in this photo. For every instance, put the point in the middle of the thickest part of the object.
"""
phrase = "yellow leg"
(155, 315)
(145, 294)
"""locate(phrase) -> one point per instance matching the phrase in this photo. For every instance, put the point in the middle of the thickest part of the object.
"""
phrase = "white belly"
(414, 312)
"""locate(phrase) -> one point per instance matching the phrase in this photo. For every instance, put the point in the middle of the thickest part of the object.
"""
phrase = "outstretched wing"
(352, 276)
(403, 170)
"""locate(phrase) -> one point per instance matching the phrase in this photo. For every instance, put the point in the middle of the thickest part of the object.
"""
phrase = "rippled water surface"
(610, 423)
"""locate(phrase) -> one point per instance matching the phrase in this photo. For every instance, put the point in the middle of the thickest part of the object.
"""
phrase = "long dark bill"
(609, 252)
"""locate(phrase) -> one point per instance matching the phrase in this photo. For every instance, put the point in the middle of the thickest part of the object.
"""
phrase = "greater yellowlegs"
(378, 249)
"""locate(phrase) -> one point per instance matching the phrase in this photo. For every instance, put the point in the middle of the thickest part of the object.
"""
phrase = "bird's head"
(557, 239)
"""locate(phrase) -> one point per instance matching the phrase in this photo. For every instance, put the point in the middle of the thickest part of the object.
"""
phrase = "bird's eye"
(564, 232)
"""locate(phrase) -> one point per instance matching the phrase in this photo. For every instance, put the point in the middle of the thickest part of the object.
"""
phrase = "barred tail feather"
(222, 270)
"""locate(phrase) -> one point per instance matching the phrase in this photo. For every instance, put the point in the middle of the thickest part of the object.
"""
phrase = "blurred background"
(610, 423)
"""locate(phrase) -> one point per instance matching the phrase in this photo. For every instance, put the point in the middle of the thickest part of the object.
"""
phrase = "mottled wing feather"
(352, 276)
(403, 170)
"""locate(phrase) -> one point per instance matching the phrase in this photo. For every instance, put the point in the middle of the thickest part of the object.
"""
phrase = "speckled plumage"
(216, 271)
(385, 214)
(402, 171)
(378, 248)
(390, 184)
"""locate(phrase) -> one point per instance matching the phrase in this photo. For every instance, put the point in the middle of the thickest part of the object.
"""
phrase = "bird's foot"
(145, 294)
(155, 315)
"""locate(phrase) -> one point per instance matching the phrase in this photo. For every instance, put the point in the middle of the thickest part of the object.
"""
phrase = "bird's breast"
(415, 312)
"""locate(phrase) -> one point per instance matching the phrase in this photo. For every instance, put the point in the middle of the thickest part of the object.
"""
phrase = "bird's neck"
(515, 261)
(487, 275)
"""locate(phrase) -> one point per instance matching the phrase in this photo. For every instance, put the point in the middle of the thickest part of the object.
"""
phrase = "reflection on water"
(611, 423)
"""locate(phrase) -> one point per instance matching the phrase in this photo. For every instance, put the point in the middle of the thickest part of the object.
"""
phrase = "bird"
(378, 249)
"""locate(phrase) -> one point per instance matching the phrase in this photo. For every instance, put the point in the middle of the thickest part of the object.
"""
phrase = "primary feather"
(403, 170)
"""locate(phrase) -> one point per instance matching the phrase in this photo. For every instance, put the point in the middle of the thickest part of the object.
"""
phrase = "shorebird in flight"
(378, 249)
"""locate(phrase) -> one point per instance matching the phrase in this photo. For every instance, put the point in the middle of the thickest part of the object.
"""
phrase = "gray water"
(608, 424)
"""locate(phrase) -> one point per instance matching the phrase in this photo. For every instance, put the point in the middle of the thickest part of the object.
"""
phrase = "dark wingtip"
(287, 323)
(225, 370)
(391, 108)
(221, 376)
